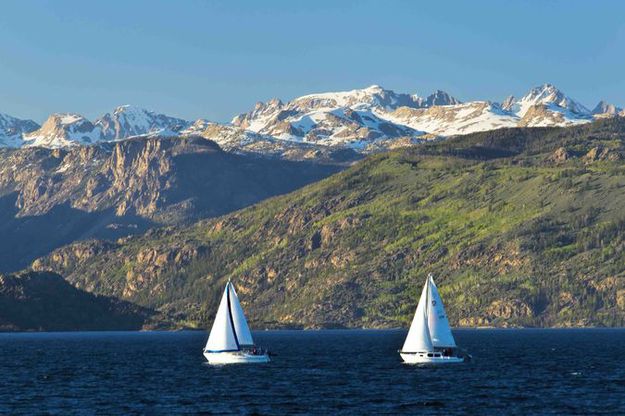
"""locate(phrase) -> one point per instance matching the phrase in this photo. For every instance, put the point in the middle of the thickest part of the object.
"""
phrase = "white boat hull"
(236, 357)
(423, 358)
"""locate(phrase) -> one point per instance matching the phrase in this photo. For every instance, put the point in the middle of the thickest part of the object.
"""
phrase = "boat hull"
(422, 358)
(236, 357)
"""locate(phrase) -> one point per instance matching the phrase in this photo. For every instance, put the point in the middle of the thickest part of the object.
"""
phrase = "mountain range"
(364, 120)
(521, 227)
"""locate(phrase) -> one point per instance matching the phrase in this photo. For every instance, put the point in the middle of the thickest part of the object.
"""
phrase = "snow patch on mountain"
(455, 119)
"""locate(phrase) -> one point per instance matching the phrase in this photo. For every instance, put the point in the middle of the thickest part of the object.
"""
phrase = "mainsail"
(230, 330)
(430, 327)
(240, 324)
(440, 332)
(418, 338)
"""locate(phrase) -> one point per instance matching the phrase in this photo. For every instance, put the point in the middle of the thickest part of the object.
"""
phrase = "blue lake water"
(524, 372)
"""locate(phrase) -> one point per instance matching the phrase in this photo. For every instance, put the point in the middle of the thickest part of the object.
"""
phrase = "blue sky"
(216, 59)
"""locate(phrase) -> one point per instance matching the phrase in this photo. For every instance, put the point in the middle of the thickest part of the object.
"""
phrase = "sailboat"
(230, 340)
(429, 340)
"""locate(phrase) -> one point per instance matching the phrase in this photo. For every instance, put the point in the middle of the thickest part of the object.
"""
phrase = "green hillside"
(519, 227)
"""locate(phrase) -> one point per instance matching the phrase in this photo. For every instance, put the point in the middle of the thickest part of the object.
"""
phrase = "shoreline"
(309, 330)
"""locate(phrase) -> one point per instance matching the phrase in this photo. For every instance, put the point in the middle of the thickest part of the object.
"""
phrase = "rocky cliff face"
(51, 197)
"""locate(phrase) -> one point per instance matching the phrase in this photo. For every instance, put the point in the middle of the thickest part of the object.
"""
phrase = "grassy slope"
(512, 237)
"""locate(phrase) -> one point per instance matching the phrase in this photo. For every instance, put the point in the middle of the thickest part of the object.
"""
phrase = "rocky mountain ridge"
(360, 118)
(364, 120)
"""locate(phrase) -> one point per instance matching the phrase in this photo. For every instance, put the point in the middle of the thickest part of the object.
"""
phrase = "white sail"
(243, 333)
(418, 338)
(440, 332)
(222, 336)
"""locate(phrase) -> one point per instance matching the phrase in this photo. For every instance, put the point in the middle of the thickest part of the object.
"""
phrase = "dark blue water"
(563, 372)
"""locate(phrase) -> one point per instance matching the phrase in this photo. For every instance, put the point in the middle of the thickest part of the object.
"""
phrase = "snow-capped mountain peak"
(12, 129)
(370, 97)
(352, 118)
(128, 120)
(63, 129)
(548, 94)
